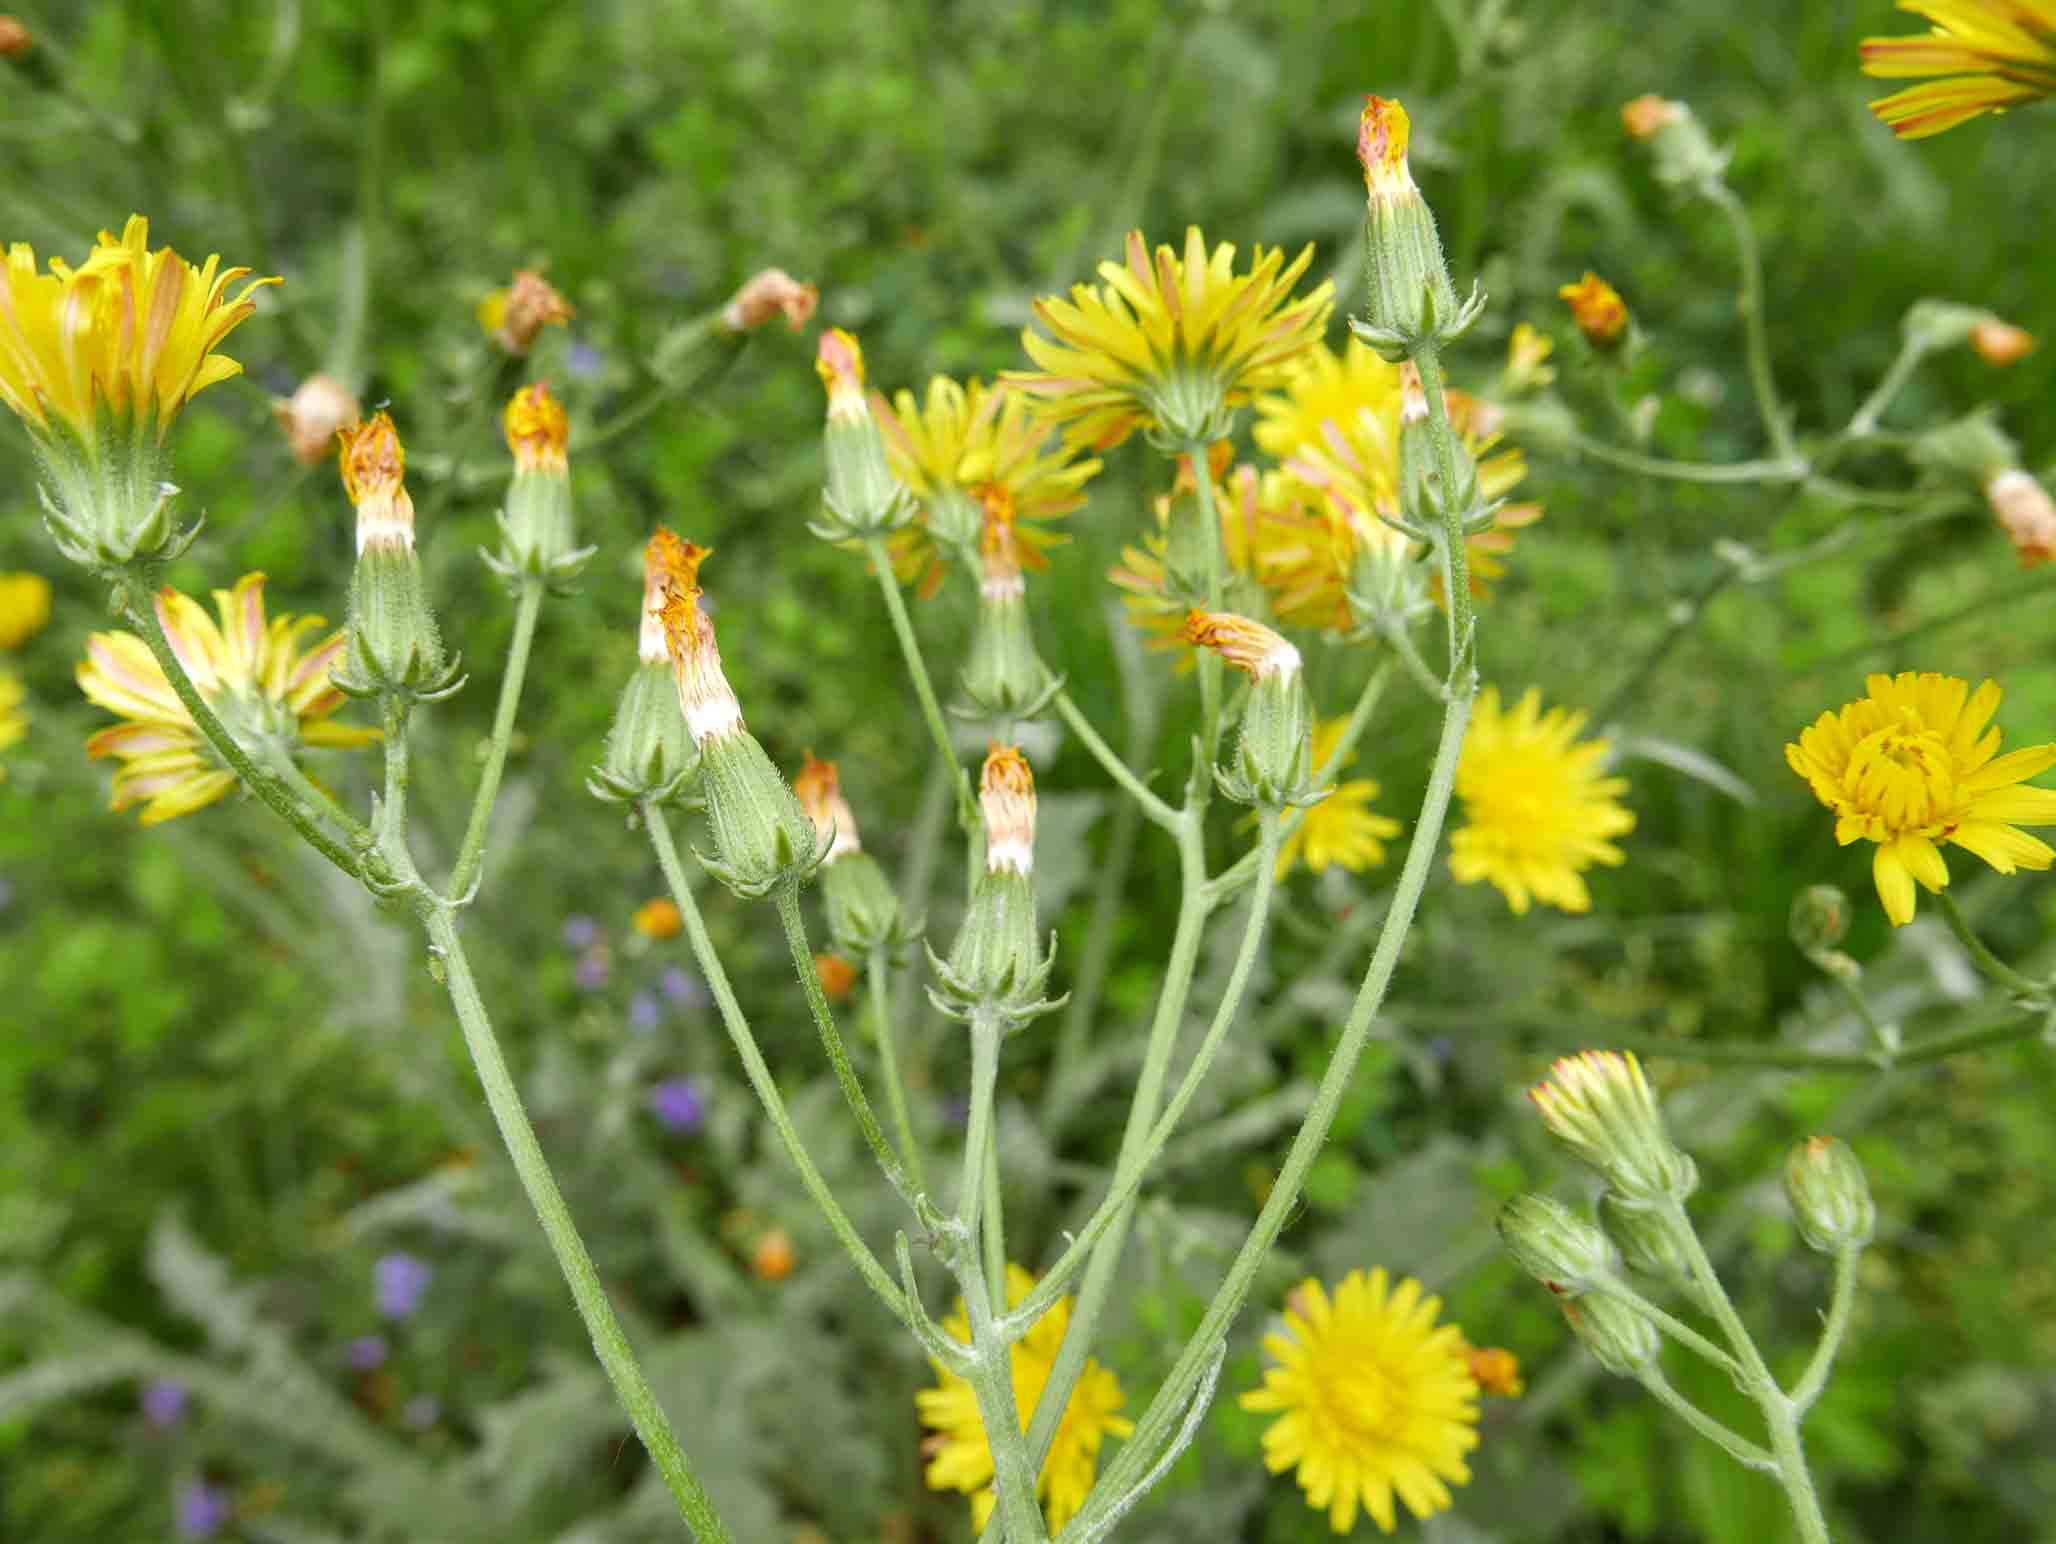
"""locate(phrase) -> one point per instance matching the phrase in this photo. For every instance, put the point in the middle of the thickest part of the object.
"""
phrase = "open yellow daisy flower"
(966, 449)
(1539, 812)
(958, 1458)
(274, 696)
(1374, 1400)
(1342, 828)
(1171, 342)
(24, 608)
(1994, 54)
(1913, 764)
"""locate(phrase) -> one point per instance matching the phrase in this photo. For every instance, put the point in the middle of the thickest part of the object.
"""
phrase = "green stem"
(610, 1342)
(1670, 1324)
(985, 1037)
(266, 785)
(1110, 886)
(1738, 1447)
(759, 1074)
(991, 1378)
(1801, 1059)
(1400, 640)
(917, 668)
(831, 1037)
(1755, 331)
(471, 855)
(1864, 421)
(877, 973)
(1764, 471)
(1456, 574)
(1790, 1455)
(2000, 973)
(1159, 812)
(1209, 661)
(694, 336)
(1815, 1378)
(1885, 1040)
(994, 1226)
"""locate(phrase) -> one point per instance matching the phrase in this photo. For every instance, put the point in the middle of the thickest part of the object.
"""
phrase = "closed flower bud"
(1555, 1245)
(2027, 512)
(1412, 300)
(1003, 676)
(514, 316)
(861, 496)
(1600, 1107)
(313, 415)
(1819, 920)
(838, 977)
(15, 38)
(1647, 1240)
(650, 753)
(1618, 1335)
(767, 294)
(1972, 447)
(1685, 157)
(2000, 344)
(997, 963)
(536, 534)
(1421, 494)
(1274, 756)
(1930, 326)
(1599, 311)
(395, 646)
(863, 912)
(1829, 1196)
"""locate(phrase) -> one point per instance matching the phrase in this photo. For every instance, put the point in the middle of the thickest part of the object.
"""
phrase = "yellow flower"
(24, 608)
(1374, 1400)
(14, 723)
(268, 692)
(1995, 54)
(1527, 355)
(1170, 344)
(513, 316)
(658, 918)
(1342, 828)
(1912, 764)
(1599, 311)
(1539, 810)
(1157, 592)
(959, 1459)
(984, 448)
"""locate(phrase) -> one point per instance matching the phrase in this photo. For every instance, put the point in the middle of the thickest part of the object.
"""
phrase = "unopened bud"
(2026, 511)
(1647, 1239)
(1497, 1371)
(767, 294)
(1274, 755)
(1619, 1336)
(1974, 447)
(2000, 344)
(514, 316)
(1819, 920)
(838, 977)
(395, 646)
(313, 415)
(1003, 676)
(1829, 1196)
(997, 963)
(1555, 1245)
(535, 524)
(1599, 311)
(863, 912)
(1600, 1107)
(1930, 326)
(861, 496)
(650, 753)
(1685, 157)
(1411, 298)
(15, 37)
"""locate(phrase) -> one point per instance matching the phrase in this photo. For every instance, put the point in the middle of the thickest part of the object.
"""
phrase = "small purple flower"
(645, 1013)
(401, 1279)
(368, 1352)
(164, 1402)
(682, 987)
(583, 360)
(680, 1104)
(422, 1411)
(593, 970)
(580, 931)
(202, 1509)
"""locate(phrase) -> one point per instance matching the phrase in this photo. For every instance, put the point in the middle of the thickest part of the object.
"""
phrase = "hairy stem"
(471, 856)
(917, 668)
(877, 978)
(1815, 1377)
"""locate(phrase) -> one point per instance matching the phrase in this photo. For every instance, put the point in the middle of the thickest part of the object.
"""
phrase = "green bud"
(536, 533)
(762, 838)
(104, 497)
(861, 495)
(1600, 1107)
(1621, 1337)
(863, 912)
(395, 647)
(649, 753)
(1820, 919)
(1647, 1239)
(1003, 676)
(998, 964)
(1973, 446)
(1685, 157)
(1829, 1196)
(1555, 1245)
(1930, 326)
(1274, 753)
(1411, 299)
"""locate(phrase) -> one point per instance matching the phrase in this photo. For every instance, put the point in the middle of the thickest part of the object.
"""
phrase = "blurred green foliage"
(210, 1048)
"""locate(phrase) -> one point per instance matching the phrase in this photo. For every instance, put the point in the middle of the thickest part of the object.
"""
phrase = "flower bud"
(861, 495)
(1647, 1239)
(1819, 920)
(1422, 497)
(1003, 676)
(395, 646)
(1685, 157)
(1556, 1246)
(997, 964)
(1618, 1335)
(15, 37)
(1829, 1196)
(514, 316)
(2000, 344)
(762, 838)
(838, 977)
(1974, 447)
(2026, 511)
(1527, 360)
(768, 294)
(1497, 1371)
(863, 912)
(1412, 300)
(650, 754)
(1599, 311)
(1930, 326)
(1274, 757)
(1599, 1106)
(535, 523)
(312, 417)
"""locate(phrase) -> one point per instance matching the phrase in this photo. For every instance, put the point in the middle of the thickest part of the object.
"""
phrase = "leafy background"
(227, 1085)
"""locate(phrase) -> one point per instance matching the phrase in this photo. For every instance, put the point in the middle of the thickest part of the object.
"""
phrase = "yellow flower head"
(538, 430)
(1006, 797)
(14, 723)
(24, 608)
(985, 444)
(1914, 764)
(1342, 828)
(1381, 137)
(1599, 311)
(1497, 1371)
(1250, 647)
(270, 692)
(2000, 344)
(1374, 1400)
(1539, 811)
(1170, 343)
(658, 918)
(818, 786)
(958, 1458)
(668, 564)
(704, 695)
(128, 332)
(1995, 54)
(839, 361)
(1527, 356)
(374, 468)
(515, 315)
(1156, 593)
